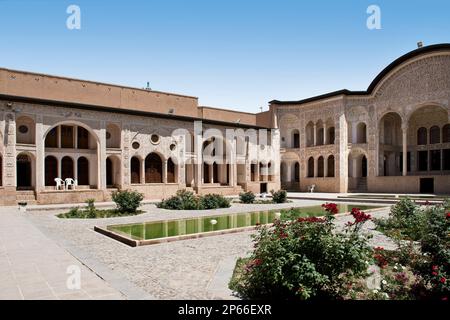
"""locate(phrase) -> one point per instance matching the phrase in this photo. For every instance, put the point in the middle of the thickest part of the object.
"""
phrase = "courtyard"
(37, 248)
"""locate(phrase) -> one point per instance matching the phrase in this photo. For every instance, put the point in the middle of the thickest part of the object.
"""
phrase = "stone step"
(26, 196)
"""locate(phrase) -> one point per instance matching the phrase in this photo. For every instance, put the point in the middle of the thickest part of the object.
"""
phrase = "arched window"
(206, 178)
(24, 171)
(310, 134)
(51, 170)
(364, 167)
(82, 138)
(320, 167)
(320, 134)
(422, 137)
(215, 172)
(253, 168)
(361, 133)
(171, 178)
(67, 140)
(331, 135)
(135, 170)
(270, 171)
(109, 172)
(67, 168)
(83, 171)
(311, 167)
(435, 135)
(283, 172)
(295, 139)
(446, 133)
(330, 169)
(153, 169)
(297, 172)
(51, 140)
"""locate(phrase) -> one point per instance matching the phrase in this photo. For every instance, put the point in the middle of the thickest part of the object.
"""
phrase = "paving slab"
(31, 263)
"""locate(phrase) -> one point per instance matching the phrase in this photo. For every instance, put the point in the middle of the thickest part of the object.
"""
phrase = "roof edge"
(125, 111)
(376, 81)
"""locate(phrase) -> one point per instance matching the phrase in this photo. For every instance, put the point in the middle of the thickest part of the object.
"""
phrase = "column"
(198, 159)
(211, 173)
(325, 167)
(58, 136)
(40, 155)
(101, 159)
(325, 135)
(75, 169)
(316, 168)
(198, 179)
(405, 150)
(75, 136)
(257, 172)
(143, 171)
(315, 135)
(354, 133)
(164, 172)
(59, 168)
(288, 174)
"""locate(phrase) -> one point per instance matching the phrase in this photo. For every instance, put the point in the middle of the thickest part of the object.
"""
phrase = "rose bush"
(303, 259)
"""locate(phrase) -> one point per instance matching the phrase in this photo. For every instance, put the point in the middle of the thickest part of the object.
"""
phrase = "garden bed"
(127, 204)
(306, 258)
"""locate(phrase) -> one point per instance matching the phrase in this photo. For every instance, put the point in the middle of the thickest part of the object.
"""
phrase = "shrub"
(127, 201)
(428, 252)
(446, 204)
(405, 221)
(214, 201)
(404, 209)
(435, 243)
(72, 214)
(183, 200)
(187, 200)
(302, 259)
(90, 209)
(247, 197)
(279, 196)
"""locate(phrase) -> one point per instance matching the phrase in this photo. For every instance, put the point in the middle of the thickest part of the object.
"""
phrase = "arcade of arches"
(95, 161)
(392, 138)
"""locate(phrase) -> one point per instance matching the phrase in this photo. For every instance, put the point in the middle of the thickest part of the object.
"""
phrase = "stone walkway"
(33, 267)
(190, 269)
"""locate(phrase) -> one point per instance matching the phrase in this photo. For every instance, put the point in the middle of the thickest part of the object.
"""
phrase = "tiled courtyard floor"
(191, 269)
(34, 267)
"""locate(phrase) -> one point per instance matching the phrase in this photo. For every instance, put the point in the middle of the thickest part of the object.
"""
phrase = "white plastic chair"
(60, 184)
(70, 182)
(311, 188)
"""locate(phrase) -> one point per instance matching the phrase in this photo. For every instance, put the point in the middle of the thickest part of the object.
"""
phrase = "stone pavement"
(36, 248)
(32, 267)
(190, 269)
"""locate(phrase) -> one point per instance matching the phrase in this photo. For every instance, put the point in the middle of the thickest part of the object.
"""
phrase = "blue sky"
(231, 54)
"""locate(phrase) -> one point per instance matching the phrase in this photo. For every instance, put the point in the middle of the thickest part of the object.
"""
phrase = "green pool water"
(393, 197)
(172, 228)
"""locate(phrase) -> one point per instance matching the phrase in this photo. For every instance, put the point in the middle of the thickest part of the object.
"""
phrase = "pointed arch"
(153, 168)
(135, 168)
(171, 171)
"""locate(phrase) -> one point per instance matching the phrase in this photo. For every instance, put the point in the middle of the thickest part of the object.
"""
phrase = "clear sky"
(236, 54)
